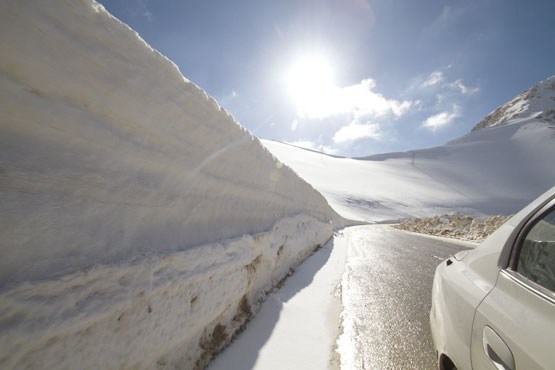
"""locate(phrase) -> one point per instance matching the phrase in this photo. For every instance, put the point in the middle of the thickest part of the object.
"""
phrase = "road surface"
(383, 277)
(386, 297)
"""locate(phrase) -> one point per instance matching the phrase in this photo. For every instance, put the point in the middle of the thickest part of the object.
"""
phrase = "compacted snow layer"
(119, 182)
(155, 311)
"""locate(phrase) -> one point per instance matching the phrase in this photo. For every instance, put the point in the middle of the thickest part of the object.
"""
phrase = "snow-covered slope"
(138, 221)
(536, 102)
(493, 170)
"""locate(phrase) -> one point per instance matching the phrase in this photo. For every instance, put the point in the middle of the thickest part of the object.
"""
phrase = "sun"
(309, 83)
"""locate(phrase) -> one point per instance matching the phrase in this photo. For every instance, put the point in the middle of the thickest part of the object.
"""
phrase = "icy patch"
(157, 311)
(456, 225)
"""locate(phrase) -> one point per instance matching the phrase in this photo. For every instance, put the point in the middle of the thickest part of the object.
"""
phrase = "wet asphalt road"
(387, 297)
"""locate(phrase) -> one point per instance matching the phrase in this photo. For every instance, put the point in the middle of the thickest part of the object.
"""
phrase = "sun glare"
(310, 82)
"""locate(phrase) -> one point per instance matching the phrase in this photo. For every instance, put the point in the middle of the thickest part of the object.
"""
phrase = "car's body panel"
(524, 320)
(464, 284)
(455, 294)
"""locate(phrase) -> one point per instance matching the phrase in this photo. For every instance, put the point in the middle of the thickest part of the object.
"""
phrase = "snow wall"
(139, 223)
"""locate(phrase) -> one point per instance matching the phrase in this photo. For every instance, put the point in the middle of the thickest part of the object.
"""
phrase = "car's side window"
(536, 258)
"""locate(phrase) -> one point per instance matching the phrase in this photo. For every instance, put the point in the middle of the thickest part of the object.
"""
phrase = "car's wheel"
(445, 363)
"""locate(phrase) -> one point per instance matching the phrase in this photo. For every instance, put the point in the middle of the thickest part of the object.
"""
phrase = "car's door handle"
(497, 350)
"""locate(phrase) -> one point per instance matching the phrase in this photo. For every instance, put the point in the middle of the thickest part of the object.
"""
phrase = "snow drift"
(456, 226)
(496, 169)
(139, 221)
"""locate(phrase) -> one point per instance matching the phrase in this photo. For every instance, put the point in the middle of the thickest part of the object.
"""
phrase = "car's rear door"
(514, 326)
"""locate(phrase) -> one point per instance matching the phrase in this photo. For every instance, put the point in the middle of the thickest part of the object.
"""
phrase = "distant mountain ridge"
(538, 102)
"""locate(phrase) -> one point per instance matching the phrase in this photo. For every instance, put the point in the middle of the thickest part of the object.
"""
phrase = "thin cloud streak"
(463, 88)
(433, 79)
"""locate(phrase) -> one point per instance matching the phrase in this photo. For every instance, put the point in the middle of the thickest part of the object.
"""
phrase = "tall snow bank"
(108, 152)
(117, 175)
(170, 311)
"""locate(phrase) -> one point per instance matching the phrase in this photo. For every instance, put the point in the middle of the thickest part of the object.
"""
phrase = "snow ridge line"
(157, 311)
(450, 186)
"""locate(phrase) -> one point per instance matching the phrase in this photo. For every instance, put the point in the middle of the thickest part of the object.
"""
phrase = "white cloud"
(294, 125)
(355, 131)
(442, 119)
(433, 79)
(358, 100)
(400, 108)
(463, 88)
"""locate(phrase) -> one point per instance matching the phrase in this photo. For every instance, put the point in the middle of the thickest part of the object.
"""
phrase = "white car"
(494, 307)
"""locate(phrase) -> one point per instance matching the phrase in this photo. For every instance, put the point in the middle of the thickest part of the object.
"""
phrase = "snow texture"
(383, 188)
(141, 225)
(486, 172)
(139, 222)
(538, 102)
(160, 311)
(298, 325)
(491, 171)
(457, 226)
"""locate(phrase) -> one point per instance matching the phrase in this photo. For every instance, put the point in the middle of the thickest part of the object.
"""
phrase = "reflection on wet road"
(386, 297)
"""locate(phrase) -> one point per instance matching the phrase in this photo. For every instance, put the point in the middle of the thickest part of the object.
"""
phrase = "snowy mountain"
(537, 102)
(139, 223)
(493, 170)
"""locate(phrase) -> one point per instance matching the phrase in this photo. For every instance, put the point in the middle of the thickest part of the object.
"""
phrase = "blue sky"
(353, 77)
